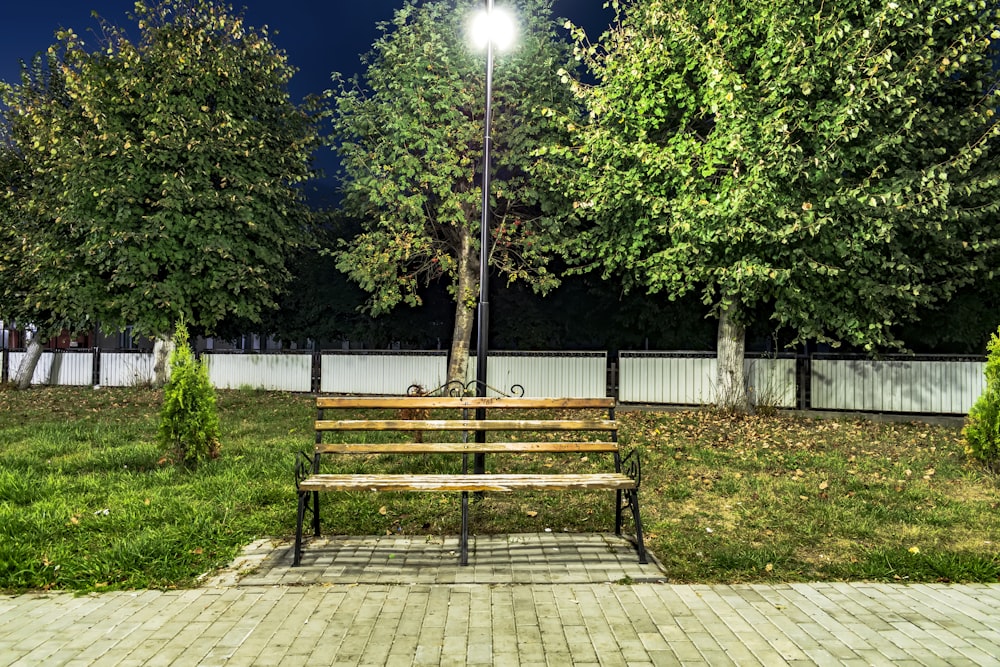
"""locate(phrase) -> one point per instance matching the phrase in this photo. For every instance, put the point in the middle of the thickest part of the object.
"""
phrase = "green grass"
(88, 502)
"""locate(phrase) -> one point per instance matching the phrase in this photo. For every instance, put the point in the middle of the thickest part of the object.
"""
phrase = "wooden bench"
(500, 425)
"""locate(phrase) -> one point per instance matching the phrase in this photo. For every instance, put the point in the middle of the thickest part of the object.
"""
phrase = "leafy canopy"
(410, 137)
(832, 161)
(37, 267)
(168, 169)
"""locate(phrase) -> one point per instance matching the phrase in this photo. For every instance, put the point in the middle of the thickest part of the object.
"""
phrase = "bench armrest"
(303, 467)
(632, 467)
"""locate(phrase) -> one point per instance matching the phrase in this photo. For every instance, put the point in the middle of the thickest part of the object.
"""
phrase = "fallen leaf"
(824, 485)
(383, 510)
(532, 513)
(769, 567)
(914, 550)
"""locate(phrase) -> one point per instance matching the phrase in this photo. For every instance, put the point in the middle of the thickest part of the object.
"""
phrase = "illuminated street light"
(492, 29)
(493, 26)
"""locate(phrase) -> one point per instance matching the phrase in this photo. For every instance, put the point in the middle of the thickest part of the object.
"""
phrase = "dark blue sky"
(320, 36)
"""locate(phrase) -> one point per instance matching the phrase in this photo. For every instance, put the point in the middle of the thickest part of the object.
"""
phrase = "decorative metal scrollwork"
(632, 467)
(303, 466)
(457, 389)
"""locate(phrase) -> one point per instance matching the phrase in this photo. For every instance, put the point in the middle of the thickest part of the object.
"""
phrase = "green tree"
(189, 421)
(170, 169)
(830, 162)
(982, 428)
(410, 137)
(37, 268)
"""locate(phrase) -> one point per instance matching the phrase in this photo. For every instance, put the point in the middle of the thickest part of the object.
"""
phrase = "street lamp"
(492, 29)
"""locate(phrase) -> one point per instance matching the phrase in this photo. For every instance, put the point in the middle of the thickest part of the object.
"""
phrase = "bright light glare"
(496, 27)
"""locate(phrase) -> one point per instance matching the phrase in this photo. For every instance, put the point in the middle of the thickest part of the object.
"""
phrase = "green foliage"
(189, 422)
(982, 429)
(160, 176)
(37, 268)
(834, 162)
(410, 138)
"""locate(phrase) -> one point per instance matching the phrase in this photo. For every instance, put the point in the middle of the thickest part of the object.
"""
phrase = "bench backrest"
(468, 414)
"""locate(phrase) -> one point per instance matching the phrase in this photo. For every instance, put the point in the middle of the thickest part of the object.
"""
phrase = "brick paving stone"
(541, 599)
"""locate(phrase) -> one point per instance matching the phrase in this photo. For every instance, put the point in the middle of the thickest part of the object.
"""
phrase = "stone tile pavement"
(555, 600)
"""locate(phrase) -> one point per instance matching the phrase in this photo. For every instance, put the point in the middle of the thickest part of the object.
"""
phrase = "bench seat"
(490, 482)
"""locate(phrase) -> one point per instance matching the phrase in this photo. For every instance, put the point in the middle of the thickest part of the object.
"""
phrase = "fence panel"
(387, 372)
(912, 384)
(61, 367)
(925, 385)
(126, 369)
(547, 374)
(666, 377)
(771, 381)
(279, 372)
(688, 378)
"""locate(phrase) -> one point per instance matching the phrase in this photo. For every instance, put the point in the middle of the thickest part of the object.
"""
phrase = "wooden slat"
(431, 402)
(464, 482)
(461, 447)
(466, 425)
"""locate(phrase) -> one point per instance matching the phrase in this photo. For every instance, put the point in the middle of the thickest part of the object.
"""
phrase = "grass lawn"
(87, 501)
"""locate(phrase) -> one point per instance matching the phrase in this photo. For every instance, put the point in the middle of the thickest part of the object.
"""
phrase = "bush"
(189, 421)
(982, 429)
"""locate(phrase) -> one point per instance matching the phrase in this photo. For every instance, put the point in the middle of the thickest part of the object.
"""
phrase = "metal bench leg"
(463, 540)
(297, 555)
(618, 512)
(315, 509)
(640, 545)
(633, 468)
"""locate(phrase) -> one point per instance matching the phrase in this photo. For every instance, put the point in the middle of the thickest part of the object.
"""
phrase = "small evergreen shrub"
(189, 420)
(982, 429)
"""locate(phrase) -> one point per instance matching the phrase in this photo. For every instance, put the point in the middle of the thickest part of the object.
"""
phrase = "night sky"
(320, 36)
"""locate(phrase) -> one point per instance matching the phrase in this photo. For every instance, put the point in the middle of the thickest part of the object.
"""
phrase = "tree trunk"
(27, 369)
(163, 348)
(466, 294)
(730, 390)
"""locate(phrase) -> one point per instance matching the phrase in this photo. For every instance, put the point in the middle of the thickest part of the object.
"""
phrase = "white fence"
(63, 368)
(381, 372)
(126, 369)
(898, 384)
(688, 378)
(566, 375)
(281, 372)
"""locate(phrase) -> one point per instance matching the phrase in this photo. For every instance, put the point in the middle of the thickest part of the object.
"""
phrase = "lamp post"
(492, 29)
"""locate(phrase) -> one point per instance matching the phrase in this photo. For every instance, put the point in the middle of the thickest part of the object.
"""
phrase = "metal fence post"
(803, 368)
(95, 374)
(316, 375)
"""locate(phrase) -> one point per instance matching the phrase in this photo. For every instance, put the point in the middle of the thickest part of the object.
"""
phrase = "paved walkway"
(547, 599)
